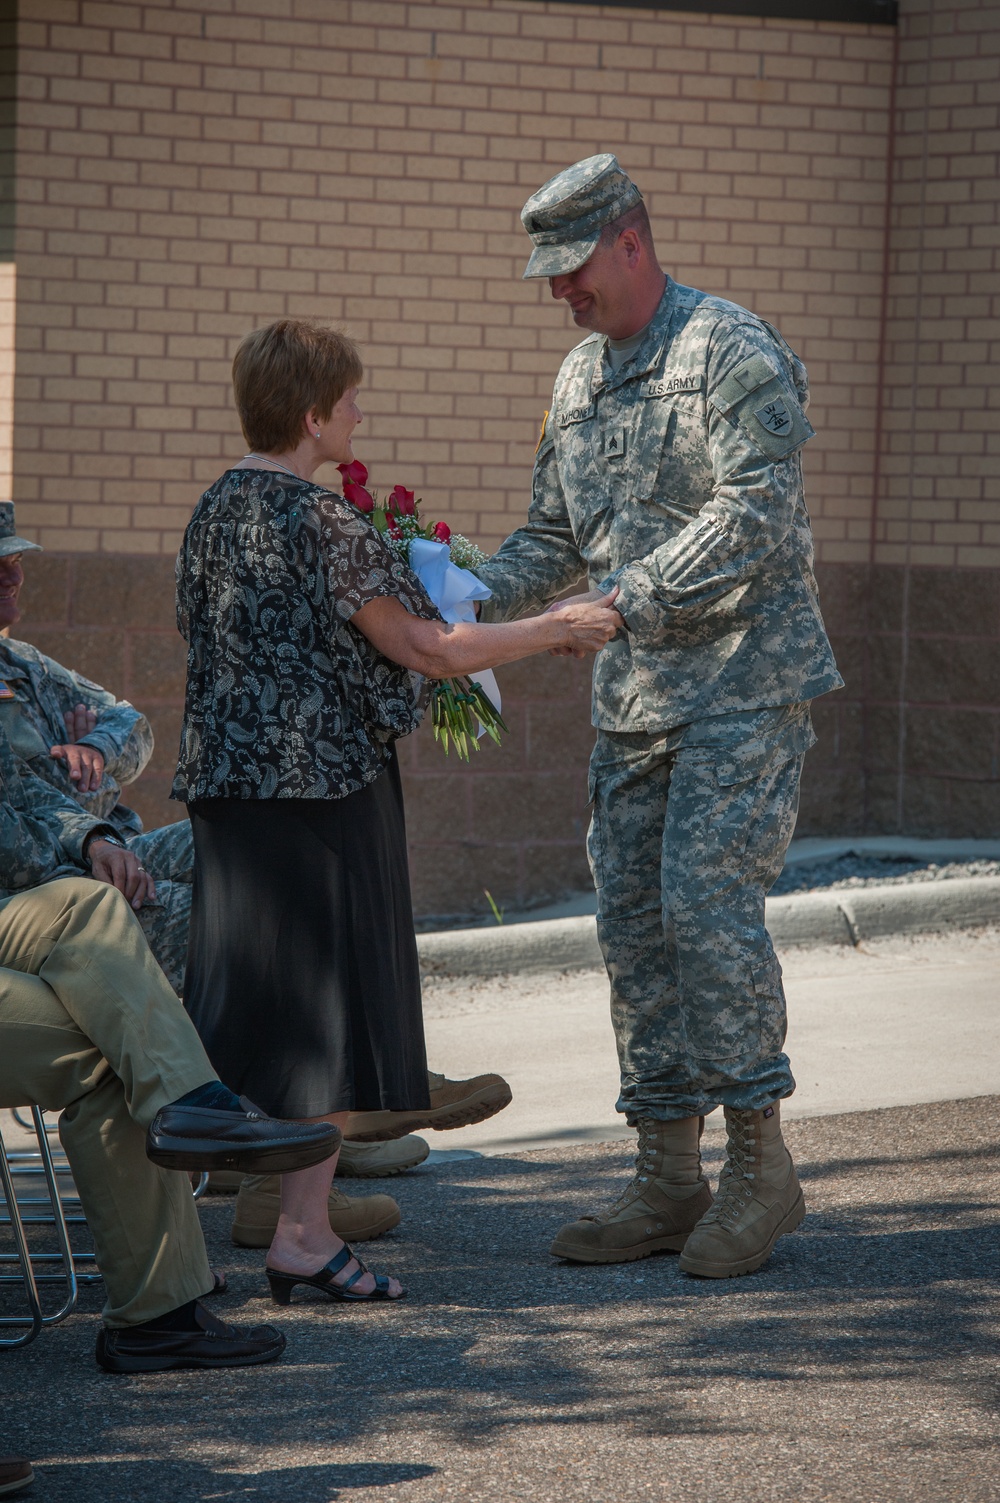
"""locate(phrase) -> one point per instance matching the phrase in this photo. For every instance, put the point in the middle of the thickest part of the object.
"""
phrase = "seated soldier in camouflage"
(75, 745)
(77, 739)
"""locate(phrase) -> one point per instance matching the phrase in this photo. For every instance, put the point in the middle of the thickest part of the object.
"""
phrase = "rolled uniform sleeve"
(756, 426)
(124, 738)
(42, 832)
(540, 560)
(122, 735)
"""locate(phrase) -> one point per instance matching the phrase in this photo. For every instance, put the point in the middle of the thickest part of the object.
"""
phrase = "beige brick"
(459, 163)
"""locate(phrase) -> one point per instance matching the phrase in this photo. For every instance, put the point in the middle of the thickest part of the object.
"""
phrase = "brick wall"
(188, 170)
(933, 671)
(938, 494)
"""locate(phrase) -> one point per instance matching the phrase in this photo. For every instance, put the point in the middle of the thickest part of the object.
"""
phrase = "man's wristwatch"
(109, 839)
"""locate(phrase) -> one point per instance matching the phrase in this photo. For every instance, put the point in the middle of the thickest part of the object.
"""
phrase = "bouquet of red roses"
(457, 703)
(398, 517)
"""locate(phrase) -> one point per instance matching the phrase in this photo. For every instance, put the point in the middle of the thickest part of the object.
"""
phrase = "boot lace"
(645, 1167)
(737, 1180)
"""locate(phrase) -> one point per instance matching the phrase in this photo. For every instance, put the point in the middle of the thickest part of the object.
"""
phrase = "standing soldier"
(669, 467)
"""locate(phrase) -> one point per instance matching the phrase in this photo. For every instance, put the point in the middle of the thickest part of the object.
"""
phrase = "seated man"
(84, 744)
(88, 1025)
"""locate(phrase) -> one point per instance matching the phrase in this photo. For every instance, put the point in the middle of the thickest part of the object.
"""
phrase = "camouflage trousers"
(689, 830)
(168, 856)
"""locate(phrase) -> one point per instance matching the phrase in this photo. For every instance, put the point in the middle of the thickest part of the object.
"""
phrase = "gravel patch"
(851, 870)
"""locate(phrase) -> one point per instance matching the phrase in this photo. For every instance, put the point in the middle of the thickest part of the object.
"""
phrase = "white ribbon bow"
(453, 591)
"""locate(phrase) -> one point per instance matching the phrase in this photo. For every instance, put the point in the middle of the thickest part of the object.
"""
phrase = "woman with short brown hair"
(309, 646)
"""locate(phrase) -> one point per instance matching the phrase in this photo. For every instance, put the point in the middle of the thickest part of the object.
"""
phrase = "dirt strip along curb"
(843, 916)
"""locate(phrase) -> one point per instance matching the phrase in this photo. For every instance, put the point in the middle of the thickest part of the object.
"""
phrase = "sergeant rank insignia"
(614, 443)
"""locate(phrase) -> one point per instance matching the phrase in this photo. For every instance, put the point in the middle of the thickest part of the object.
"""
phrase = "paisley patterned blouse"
(285, 698)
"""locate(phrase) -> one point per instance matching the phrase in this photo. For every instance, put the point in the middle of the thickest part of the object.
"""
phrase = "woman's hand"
(438, 649)
(590, 620)
(581, 608)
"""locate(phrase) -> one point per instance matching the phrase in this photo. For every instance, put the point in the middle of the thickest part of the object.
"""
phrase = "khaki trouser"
(89, 1025)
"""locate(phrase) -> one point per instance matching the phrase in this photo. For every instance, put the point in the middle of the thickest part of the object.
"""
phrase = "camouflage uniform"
(38, 692)
(678, 479)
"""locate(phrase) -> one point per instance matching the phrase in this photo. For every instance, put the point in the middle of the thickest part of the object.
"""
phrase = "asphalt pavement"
(859, 1366)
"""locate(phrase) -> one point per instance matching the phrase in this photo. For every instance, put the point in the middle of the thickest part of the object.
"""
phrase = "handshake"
(590, 621)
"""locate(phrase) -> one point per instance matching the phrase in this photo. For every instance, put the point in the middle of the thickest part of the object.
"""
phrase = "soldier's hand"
(85, 764)
(119, 868)
(80, 721)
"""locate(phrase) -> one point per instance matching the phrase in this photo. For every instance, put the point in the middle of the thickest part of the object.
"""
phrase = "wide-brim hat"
(567, 214)
(9, 540)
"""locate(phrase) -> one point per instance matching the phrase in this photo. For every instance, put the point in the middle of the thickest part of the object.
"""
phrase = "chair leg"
(36, 1320)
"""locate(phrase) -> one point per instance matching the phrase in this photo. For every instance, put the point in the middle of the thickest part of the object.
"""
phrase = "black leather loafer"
(15, 1474)
(214, 1344)
(197, 1137)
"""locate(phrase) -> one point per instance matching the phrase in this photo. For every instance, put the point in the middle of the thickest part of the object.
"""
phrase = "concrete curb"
(844, 916)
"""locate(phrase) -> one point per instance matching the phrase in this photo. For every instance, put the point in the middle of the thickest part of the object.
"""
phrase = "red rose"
(401, 500)
(395, 531)
(358, 496)
(356, 473)
(442, 532)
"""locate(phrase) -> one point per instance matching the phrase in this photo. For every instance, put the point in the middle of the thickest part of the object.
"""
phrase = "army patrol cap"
(567, 214)
(9, 540)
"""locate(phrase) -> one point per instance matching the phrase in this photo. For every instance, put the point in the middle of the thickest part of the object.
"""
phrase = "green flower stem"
(457, 705)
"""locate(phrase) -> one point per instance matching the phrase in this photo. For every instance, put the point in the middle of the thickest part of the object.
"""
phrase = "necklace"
(265, 460)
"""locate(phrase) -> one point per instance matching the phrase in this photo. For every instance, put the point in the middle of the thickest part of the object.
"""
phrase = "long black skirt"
(302, 975)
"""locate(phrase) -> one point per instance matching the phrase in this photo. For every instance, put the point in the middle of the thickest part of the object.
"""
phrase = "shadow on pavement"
(191, 1480)
(874, 1327)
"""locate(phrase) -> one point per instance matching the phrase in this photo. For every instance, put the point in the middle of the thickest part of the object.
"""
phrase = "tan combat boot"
(379, 1160)
(356, 1161)
(759, 1200)
(259, 1203)
(666, 1199)
(454, 1103)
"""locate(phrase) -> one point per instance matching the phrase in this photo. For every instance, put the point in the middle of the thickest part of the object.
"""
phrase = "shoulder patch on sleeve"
(541, 436)
(765, 405)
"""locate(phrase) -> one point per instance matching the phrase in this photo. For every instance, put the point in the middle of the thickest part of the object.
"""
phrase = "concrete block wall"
(511, 822)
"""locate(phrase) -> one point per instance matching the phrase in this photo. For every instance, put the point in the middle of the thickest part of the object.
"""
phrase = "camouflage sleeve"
(756, 426)
(41, 829)
(541, 559)
(122, 735)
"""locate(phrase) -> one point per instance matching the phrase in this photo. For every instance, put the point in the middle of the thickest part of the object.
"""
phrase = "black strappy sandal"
(282, 1284)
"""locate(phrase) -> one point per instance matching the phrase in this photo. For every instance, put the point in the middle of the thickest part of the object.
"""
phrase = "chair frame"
(39, 1162)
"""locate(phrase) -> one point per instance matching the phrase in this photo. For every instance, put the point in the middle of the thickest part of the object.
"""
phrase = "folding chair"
(35, 1268)
(59, 1208)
